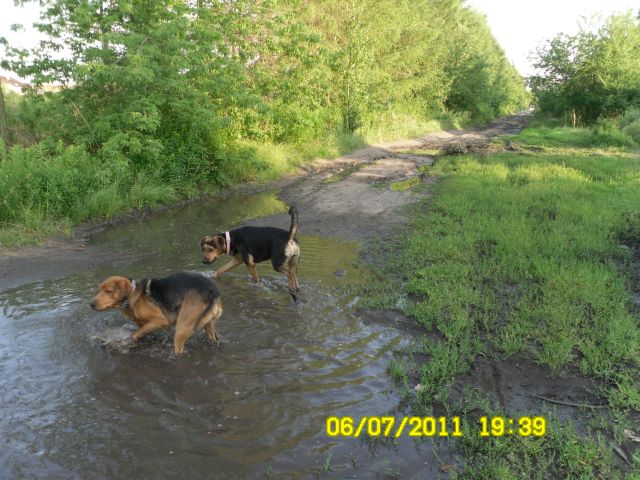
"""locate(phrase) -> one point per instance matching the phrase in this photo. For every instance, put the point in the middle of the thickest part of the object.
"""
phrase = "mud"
(516, 385)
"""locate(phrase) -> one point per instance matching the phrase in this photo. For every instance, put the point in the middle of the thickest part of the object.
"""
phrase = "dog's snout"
(92, 304)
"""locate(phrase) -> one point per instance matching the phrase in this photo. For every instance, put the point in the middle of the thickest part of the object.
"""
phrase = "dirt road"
(354, 197)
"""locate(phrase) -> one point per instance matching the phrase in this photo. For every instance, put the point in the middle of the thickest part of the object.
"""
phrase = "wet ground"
(75, 404)
(73, 407)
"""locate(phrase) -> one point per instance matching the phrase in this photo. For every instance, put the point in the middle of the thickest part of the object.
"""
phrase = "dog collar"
(125, 302)
(227, 239)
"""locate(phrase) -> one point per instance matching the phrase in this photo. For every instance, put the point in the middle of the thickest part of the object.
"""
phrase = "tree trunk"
(4, 122)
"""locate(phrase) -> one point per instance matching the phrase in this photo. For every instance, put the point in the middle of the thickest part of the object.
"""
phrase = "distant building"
(17, 86)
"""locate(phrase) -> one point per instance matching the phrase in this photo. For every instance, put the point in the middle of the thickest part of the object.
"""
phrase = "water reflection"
(256, 402)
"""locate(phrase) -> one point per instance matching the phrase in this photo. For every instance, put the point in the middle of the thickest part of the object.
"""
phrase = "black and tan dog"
(188, 300)
(251, 245)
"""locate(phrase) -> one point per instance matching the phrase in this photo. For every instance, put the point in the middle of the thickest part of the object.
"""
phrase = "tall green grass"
(44, 191)
(391, 125)
(49, 187)
(547, 133)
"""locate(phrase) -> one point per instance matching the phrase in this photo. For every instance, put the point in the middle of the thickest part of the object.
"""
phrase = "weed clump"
(455, 148)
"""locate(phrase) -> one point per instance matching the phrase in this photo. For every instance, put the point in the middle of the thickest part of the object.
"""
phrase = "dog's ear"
(219, 242)
(121, 285)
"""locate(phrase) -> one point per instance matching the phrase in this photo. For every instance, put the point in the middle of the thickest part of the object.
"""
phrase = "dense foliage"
(168, 97)
(590, 75)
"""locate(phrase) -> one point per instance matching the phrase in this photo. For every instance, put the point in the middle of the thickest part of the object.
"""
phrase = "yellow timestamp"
(522, 426)
(389, 427)
(382, 426)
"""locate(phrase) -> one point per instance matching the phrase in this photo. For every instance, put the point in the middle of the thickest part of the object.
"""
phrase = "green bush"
(49, 182)
(296, 123)
(630, 116)
(632, 130)
(70, 185)
(170, 98)
(590, 75)
(606, 132)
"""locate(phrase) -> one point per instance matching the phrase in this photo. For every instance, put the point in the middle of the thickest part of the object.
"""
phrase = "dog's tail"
(293, 211)
(213, 300)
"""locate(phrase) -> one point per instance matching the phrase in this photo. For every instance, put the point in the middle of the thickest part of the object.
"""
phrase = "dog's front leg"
(155, 323)
(225, 268)
(253, 272)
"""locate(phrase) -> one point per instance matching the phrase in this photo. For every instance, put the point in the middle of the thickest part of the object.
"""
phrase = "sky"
(26, 15)
(518, 25)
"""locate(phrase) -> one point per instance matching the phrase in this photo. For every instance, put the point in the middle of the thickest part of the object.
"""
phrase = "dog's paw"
(299, 302)
(296, 299)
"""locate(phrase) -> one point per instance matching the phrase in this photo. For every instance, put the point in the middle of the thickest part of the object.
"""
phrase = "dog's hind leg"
(183, 332)
(293, 268)
(291, 280)
(188, 319)
(210, 322)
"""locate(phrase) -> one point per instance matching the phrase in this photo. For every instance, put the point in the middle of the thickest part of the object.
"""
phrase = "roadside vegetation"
(529, 254)
(592, 77)
(533, 253)
(173, 98)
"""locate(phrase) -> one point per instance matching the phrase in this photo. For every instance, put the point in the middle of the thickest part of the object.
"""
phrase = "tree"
(591, 74)
(4, 122)
(130, 93)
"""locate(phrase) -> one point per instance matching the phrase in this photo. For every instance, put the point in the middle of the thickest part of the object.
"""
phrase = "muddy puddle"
(254, 406)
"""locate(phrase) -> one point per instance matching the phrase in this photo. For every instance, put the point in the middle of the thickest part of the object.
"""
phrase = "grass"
(324, 469)
(397, 369)
(405, 184)
(527, 253)
(33, 229)
(548, 133)
(48, 192)
(560, 453)
(393, 125)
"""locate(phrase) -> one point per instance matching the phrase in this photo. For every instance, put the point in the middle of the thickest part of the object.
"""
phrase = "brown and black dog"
(188, 300)
(251, 245)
